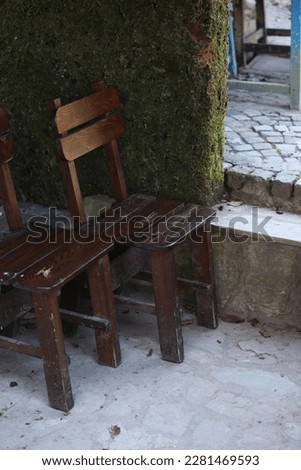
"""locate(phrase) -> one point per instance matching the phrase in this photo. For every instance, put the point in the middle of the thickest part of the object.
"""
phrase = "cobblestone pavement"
(262, 158)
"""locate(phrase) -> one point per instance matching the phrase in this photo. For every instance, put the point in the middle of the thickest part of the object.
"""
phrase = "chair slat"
(150, 219)
(85, 109)
(12, 242)
(110, 222)
(94, 136)
(28, 254)
(176, 227)
(142, 219)
(20, 347)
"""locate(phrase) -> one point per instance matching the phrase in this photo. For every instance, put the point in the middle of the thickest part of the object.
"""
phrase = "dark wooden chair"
(258, 41)
(146, 230)
(34, 271)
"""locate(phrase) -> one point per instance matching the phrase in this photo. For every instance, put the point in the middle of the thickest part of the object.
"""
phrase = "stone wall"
(167, 58)
(258, 279)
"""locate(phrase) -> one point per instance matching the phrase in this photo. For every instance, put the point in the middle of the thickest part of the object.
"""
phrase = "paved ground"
(263, 155)
(238, 388)
(263, 149)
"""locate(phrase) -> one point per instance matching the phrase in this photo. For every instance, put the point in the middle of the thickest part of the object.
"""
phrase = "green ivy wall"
(168, 58)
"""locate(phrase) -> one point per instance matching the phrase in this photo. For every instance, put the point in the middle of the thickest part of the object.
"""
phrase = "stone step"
(257, 256)
(258, 223)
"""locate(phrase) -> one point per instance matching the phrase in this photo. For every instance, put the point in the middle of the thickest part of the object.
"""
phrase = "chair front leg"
(167, 305)
(55, 359)
(102, 299)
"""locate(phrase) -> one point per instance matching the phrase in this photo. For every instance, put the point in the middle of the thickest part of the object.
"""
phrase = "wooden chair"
(36, 271)
(144, 229)
(256, 42)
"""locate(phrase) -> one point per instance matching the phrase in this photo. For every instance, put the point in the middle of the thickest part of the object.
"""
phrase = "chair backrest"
(82, 126)
(7, 190)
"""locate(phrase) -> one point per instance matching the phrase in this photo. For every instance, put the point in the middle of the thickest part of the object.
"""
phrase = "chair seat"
(61, 265)
(49, 264)
(149, 223)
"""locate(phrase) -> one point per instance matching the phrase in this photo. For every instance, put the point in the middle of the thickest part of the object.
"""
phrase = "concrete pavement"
(238, 388)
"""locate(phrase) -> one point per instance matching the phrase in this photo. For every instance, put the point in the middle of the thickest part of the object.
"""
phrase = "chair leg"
(70, 300)
(203, 271)
(167, 305)
(260, 20)
(55, 359)
(101, 294)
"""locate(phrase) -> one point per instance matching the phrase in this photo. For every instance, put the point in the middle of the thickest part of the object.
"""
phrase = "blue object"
(232, 64)
(296, 55)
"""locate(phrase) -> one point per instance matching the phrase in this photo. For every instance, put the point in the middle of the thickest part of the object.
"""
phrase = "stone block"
(273, 164)
(297, 192)
(229, 121)
(230, 157)
(237, 177)
(227, 166)
(253, 112)
(271, 133)
(256, 285)
(270, 153)
(291, 140)
(292, 164)
(281, 128)
(262, 174)
(282, 186)
(275, 140)
(246, 134)
(242, 147)
(262, 146)
(241, 117)
(263, 120)
(255, 188)
(243, 159)
(286, 149)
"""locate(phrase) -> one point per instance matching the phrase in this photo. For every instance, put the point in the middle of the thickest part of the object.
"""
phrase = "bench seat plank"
(26, 255)
(66, 262)
(175, 229)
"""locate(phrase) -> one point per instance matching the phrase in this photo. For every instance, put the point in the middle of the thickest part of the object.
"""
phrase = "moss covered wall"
(168, 59)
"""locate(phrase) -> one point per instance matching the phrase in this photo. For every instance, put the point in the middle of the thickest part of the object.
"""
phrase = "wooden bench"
(34, 272)
(143, 228)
